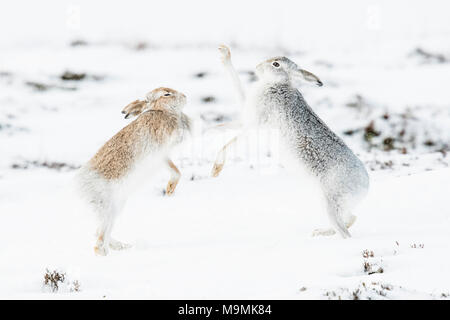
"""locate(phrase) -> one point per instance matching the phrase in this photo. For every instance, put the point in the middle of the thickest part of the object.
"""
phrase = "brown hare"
(131, 155)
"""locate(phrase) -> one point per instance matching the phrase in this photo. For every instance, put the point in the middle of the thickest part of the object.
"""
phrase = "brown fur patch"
(116, 157)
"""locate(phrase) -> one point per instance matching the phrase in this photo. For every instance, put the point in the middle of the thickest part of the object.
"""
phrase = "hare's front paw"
(217, 168)
(225, 54)
(171, 187)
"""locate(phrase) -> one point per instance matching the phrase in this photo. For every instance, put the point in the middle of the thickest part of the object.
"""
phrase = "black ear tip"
(123, 112)
(319, 83)
(126, 116)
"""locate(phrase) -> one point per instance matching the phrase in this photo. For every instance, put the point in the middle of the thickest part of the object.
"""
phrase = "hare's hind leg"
(220, 159)
(103, 236)
(104, 230)
(101, 247)
(349, 219)
(335, 214)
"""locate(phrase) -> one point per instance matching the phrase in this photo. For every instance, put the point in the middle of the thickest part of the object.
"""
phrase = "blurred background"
(68, 67)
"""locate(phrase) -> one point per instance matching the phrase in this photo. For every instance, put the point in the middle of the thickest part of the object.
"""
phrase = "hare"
(139, 148)
(276, 103)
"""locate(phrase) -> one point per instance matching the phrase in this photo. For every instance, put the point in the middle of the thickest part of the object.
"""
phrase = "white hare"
(276, 103)
(128, 157)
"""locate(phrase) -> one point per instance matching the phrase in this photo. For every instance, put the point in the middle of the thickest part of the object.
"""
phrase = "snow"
(247, 233)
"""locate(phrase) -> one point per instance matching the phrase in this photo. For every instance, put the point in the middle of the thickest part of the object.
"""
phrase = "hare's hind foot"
(349, 221)
(330, 232)
(101, 250)
(217, 168)
(221, 156)
(174, 178)
(117, 245)
(323, 232)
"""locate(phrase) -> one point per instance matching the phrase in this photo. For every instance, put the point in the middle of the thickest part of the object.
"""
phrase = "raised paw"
(217, 168)
(323, 232)
(225, 54)
(171, 187)
(117, 245)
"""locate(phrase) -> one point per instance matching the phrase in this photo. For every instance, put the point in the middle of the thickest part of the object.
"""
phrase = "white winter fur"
(265, 105)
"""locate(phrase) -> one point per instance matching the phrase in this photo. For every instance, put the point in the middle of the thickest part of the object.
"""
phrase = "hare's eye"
(167, 94)
(275, 64)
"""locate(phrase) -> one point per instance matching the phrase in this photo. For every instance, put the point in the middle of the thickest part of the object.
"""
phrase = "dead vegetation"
(208, 99)
(363, 291)
(55, 280)
(76, 286)
(369, 265)
(140, 46)
(39, 86)
(201, 75)
(398, 131)
(68, 75)
(6, 77)
(9, 129)
(372, 268)
(59, 166)
(358, 103)
(78, 76)
(250, 74)
(214, 117)
(380, 165)
(368, 254)
(196, 177)
(78, 43)
(5, 74)
(429, 57)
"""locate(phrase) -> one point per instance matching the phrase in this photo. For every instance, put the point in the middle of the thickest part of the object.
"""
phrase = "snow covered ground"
(247, 234)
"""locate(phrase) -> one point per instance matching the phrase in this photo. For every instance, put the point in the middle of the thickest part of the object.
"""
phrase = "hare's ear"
(309, 76)
(134, 108)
